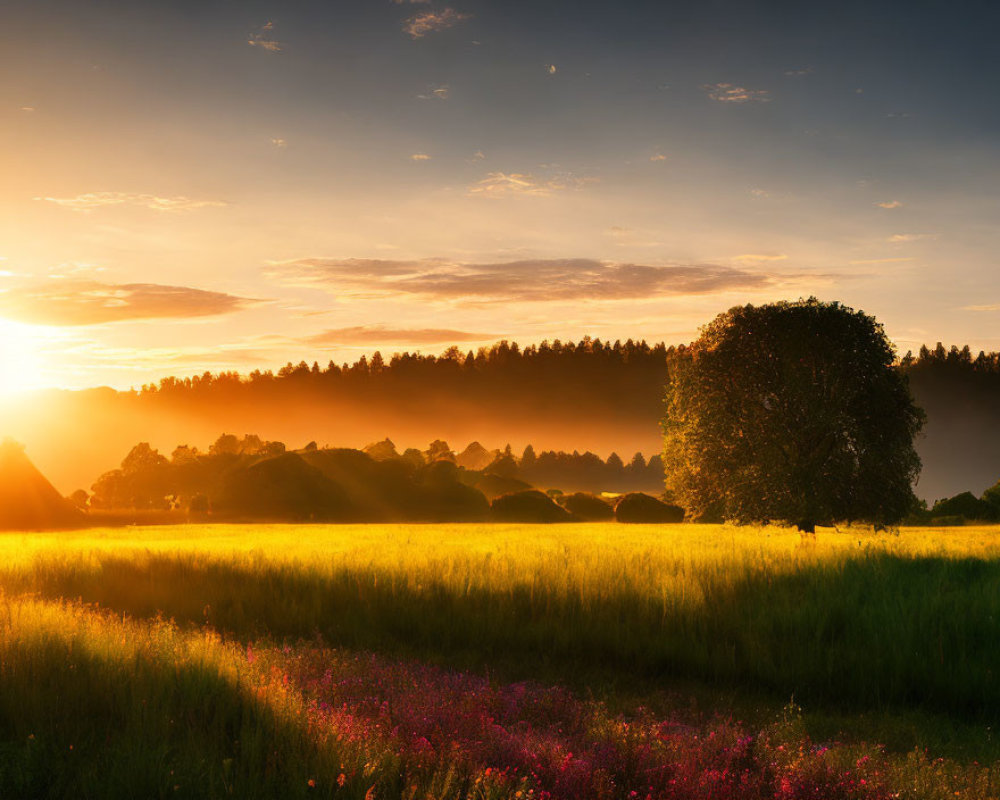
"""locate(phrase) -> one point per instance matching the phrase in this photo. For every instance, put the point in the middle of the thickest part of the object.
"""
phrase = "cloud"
(798, 73)
(728, 93)
(551, 69)
(501, 184)
(262, 38)
(515, 281)
(278, 142)
(435, 93)
(431, 21)
(403, 2)
(87, 302)
(92, 200)
(760, 194)
(380, 334)
(991, 307)
(889, 204)
(900, 238)
(420, 157)
(658, 157)
(759, 258)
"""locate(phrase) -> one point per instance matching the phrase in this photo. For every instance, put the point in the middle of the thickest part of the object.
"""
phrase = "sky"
(192, 186)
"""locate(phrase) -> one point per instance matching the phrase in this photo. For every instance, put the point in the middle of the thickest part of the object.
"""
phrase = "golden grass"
(846, 622)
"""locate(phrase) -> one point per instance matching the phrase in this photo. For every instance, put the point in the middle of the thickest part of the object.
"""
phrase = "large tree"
(791, 412)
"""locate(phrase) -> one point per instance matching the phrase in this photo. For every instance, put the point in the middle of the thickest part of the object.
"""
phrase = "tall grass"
(97, 706)
(93, 706)
(168, 662)
(852, 621)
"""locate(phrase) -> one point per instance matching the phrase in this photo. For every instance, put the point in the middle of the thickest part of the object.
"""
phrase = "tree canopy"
(791, 412)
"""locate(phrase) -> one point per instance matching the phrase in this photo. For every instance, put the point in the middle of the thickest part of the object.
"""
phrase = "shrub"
(639, 507)
(587, 507)
(529, 506)
(441, 496)
(285, 488)
(965, 505)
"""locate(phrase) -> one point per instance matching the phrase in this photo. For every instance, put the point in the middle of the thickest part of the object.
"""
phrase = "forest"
(615, 388)
(590, 395)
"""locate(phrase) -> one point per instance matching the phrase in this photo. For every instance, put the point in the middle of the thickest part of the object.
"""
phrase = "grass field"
(278, 661)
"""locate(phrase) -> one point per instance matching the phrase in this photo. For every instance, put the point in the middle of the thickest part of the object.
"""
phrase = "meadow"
(559, 661)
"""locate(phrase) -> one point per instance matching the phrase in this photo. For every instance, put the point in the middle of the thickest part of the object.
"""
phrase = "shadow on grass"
(98, 708)
(874, 632)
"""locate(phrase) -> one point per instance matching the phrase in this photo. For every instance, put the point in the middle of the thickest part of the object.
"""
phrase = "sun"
(21, 367)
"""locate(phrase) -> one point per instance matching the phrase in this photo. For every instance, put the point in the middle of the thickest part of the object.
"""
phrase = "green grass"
(890, 636)
(852, 621)
(93, 706)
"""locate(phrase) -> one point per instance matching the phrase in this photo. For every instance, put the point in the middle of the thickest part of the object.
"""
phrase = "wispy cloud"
(420, 157)
(262, 38)
(435, 93)
(760, 194)
(901, 238)
(799, 73)
(889, 204)
(502, 184)
(87, 302)
(990, 307)
(551, 69)
(528, 280)
(658, 157)
(431, 21)
(881, 260)
(382, 335)
(93, 200)
(759, 258)
(278, 142)
(729, 93)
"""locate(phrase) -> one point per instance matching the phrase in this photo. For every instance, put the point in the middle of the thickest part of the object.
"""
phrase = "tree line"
(622, 380)
(194, 480)
(618, 370)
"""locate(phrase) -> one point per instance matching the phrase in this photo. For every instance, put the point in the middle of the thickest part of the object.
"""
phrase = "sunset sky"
(192, 186)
